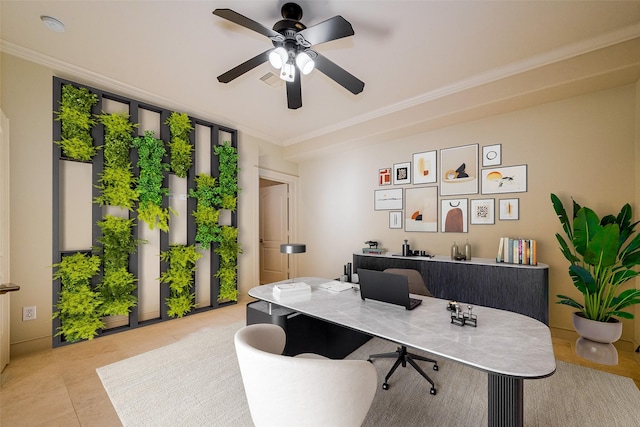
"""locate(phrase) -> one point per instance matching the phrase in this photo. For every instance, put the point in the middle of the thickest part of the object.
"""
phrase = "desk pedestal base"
(506, 401)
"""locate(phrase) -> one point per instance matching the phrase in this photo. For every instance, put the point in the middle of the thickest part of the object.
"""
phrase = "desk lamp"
(293, 248)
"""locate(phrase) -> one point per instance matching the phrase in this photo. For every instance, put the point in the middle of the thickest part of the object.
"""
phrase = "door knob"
(8, 287)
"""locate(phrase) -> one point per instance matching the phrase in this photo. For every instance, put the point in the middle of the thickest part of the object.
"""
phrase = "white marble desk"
(510, 347)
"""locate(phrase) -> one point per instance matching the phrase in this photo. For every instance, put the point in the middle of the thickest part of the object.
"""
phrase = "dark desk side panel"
(307, 334)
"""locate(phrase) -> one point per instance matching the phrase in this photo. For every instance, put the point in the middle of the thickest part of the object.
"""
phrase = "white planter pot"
(605, 332)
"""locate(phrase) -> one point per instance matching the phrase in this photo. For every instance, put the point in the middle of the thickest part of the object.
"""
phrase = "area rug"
(196, 382)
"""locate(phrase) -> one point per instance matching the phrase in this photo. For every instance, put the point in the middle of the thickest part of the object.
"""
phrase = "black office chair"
(416, 286)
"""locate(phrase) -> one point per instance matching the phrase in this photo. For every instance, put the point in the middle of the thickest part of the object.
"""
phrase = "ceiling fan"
(292, 53)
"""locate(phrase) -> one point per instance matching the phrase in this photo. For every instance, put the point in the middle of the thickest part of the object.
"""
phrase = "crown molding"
(73, 72)
(563, 53)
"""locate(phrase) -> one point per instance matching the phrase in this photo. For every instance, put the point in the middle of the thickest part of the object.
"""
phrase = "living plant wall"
(144, 213)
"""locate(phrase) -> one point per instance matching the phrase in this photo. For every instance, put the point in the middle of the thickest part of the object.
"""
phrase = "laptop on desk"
(386, 287)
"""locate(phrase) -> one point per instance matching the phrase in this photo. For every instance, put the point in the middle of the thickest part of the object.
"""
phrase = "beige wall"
(581, 147)
(27, 102)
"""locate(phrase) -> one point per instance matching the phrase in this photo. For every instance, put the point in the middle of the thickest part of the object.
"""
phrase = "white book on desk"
(291, 289)
(335, 286)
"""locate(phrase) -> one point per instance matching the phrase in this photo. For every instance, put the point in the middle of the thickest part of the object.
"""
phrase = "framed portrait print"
(384, 176)
(482, 211)
(395, 219)
(509, 179)
(454, 215)
(421, 209)
(491, 155)
(425, 168)
(402, 173)
(509, 209)
(459, 170)
(390, 199)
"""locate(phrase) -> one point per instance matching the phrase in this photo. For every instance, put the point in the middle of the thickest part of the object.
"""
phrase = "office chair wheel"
(435, 367)
(385, 386)
(433, 391)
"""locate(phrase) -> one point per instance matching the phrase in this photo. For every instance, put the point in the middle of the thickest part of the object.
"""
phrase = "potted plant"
(603, 254)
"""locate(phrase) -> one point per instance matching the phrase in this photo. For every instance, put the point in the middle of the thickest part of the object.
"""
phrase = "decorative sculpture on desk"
(372, 244)
(461, 319)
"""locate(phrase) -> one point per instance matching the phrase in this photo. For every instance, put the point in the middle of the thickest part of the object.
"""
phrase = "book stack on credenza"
(517, 251)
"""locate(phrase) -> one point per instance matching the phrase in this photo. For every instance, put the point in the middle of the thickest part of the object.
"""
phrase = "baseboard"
(571, 335)
(34, 345)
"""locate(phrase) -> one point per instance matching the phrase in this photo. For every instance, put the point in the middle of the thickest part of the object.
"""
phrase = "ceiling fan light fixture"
(305, 63)
(278, 57)
(288, 72)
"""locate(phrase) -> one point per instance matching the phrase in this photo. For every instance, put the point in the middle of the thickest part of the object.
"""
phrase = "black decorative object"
(460, 318)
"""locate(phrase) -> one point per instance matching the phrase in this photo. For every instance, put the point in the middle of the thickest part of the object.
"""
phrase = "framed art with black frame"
(402, 173)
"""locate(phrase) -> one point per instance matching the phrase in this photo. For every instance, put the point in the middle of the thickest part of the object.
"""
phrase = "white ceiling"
(424, 63)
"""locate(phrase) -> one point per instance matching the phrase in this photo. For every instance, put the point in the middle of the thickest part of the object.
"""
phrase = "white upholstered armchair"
(307, 390)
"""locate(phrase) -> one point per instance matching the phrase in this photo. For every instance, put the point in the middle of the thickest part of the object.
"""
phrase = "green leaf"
(602, 248)
(582, 279)
(585, 225)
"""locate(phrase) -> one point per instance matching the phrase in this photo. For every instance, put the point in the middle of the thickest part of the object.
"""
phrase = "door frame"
(292, 181)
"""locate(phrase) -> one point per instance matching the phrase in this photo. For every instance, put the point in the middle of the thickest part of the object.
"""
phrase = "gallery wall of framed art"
(446, 190)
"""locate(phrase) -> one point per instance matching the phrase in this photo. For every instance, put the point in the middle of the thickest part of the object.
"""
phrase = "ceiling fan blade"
(294, 94)
(244, 67)
(242, 20)
(331, 29)
(339, 74)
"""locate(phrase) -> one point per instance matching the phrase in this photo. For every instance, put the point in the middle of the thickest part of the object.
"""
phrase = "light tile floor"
(60, 387)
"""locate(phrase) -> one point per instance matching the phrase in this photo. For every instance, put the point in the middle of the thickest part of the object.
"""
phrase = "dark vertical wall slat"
(134, 117)
(57, 153)
(165, 136)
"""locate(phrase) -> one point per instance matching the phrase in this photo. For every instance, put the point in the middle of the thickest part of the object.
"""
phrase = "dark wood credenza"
(519, 288)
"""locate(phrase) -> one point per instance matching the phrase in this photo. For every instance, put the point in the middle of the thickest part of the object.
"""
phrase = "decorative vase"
(604, 332)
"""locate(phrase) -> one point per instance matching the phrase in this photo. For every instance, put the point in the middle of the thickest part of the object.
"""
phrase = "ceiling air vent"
(272, 79)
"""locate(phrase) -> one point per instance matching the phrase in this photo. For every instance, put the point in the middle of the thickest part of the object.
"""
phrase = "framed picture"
(459, 170)
(425, 167)
(454, 215)
(509, 209)
(509, 179)
(384, 176)
(421, 209)
(491, 155)
(395, 219)
(402, 173)
(482, 211)
(390, 199)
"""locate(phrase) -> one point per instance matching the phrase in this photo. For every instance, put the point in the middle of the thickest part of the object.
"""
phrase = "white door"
(4, 239)
(274, 229)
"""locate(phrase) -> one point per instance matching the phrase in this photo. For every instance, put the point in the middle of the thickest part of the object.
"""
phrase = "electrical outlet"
(29, 313)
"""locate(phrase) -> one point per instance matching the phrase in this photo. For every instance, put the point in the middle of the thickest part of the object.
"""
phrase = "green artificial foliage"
(118, 131)
(180, 147)
(151, 151)
(206, 213)
(180, 278)
(78, 305)
(76, 123)
(601, 260)
(228, 250)
(117, 183)
(228, 175)
(116, 292)
(118, 283)
(117, 188)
